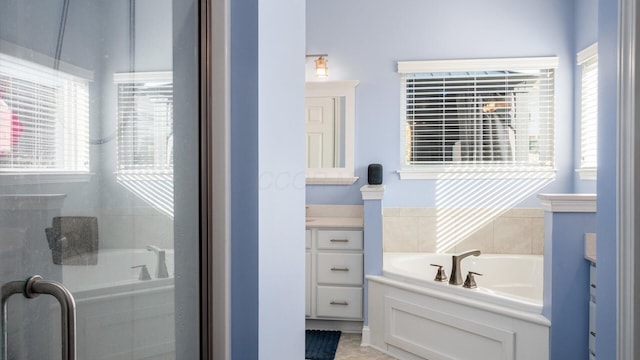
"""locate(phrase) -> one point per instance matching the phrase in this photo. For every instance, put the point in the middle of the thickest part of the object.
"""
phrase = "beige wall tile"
(516, 231)
(537, 243)
(115, 231)
(153, 230)
(400, 234)
(524, 212)
(513, 235)
(427, 234)
(481, 239)
(411, 212)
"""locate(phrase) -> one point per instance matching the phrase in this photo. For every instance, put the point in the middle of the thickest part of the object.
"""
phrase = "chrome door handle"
(31, 288)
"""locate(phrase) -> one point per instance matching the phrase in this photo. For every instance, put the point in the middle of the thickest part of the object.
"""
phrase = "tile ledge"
(568, 202)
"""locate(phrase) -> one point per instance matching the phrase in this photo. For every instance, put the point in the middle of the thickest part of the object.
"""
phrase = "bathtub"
(411, 316)
(118, 315)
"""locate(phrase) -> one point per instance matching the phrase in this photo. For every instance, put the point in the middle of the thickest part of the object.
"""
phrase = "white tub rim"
(507, 300)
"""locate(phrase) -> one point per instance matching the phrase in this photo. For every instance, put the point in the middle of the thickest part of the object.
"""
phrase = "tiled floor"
(349, 349)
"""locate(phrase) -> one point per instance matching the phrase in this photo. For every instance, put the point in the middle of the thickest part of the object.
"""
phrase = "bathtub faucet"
(161, 270)
(456, 277)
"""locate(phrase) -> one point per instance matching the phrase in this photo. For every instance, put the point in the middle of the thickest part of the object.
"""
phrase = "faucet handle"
(441, 275)
(470, 282)
(144, 273)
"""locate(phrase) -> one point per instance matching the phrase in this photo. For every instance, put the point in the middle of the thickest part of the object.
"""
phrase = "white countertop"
(334, 222)
(334, 216)
(590, 247)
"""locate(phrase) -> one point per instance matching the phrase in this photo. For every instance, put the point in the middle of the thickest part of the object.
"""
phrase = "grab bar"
(31, 288)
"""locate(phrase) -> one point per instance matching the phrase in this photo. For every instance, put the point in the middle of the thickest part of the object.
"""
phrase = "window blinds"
(589, 113)
(44, 119)
(145, 122)
(477, 117)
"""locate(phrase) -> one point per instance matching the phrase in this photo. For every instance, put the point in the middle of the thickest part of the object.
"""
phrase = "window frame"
(473, 171)
(132, 78)
(585, 58)
(68, 72)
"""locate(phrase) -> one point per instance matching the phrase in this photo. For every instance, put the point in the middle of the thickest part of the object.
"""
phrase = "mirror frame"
(338, 175)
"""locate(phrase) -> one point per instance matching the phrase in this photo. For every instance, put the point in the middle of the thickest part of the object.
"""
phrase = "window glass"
(492, 115)
(44, 118)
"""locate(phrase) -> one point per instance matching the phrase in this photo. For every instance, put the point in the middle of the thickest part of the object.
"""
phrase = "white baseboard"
(366, 336)
(344, 326)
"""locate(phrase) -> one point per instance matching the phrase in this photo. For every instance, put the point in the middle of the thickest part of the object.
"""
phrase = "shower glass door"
(99, 175)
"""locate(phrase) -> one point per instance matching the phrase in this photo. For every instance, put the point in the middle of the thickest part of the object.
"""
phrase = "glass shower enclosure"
(100, 210)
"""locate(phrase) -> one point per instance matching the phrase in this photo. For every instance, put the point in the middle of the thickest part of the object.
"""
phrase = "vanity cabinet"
(307, 271)
(592, 311)
(334, 278)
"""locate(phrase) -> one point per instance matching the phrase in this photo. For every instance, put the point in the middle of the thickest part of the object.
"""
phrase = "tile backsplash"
(512, 231)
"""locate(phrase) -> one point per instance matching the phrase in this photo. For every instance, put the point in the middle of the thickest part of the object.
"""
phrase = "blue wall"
(365, 39)
(585, 34)
(244, 172)
(267, 216)
(566, 279)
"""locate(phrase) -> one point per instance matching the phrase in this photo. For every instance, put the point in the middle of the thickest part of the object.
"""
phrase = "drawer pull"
(341, 303)
(339, 240)
(593, 286)
(339, 269)
(592, 333)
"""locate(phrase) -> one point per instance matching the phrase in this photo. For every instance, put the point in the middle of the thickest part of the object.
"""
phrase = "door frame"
(214, 180)
(628, 277)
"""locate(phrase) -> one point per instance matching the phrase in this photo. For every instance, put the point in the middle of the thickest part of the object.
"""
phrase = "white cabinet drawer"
(307, 288)
(308, 239)
(339, 302)
(592, 327)
(592, 316)
(592, 282)
(340, 239)
(340, 268)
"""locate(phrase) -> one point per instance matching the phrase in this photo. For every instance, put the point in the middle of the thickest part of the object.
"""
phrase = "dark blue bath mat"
(321, 344)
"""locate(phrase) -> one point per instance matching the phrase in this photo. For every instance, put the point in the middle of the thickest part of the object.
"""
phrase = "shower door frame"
(214, 195)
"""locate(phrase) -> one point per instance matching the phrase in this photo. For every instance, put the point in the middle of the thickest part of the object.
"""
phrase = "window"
(44, 119)
(588, 62)
(145, 122)
(477, 116)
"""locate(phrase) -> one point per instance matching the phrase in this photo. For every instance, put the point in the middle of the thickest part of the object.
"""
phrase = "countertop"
(334, 216)
(590, 247)
(334, 222)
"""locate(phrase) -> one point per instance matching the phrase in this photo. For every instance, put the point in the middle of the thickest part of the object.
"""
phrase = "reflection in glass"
(88, 198)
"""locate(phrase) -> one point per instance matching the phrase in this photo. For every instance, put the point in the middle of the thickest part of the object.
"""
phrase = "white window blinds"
(145, 122)
(496, 113)
(44, 119)
(588, 59)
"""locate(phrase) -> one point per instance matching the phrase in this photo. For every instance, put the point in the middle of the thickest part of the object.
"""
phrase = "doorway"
(104, 179)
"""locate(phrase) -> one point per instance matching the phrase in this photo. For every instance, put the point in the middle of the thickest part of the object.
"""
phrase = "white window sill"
(588, 173)
(331, 180)
(449, 172)
(32, 178)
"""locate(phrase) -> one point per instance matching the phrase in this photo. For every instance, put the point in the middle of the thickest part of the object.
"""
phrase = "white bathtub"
(411, 316)
(519, 287)
(118, 315)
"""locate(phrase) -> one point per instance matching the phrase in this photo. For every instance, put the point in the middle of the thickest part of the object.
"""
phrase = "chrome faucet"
(161, 270)
(456, 278)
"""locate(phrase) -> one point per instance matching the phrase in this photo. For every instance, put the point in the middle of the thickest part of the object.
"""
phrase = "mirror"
(330, 124)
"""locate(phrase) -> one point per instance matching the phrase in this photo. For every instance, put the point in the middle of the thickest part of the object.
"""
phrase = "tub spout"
(456, 277)
(161, 269)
